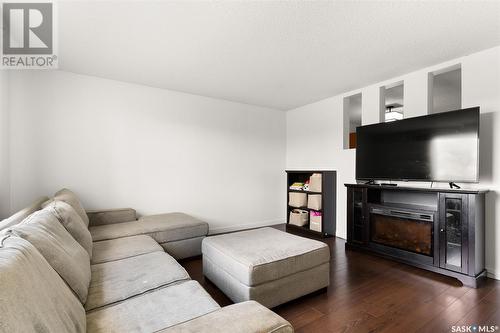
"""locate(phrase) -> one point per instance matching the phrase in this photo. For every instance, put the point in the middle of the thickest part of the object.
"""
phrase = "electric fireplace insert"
(409, 231)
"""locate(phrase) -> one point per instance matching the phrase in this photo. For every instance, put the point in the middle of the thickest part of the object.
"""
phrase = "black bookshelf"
(328, 197)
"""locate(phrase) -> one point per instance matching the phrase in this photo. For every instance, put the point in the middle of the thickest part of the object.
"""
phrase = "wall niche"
(352, 119)
(392, 102)
(445, 89)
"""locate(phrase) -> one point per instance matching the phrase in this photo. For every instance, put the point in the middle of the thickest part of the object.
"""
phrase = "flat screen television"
(440, 147)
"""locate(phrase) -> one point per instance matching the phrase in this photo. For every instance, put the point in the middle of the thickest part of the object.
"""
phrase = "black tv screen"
(438, 147)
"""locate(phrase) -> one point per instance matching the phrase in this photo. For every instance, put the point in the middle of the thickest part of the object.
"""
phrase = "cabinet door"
(357, 215)
(453, 247)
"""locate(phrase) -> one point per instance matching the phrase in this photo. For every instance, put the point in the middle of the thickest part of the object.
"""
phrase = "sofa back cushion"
(22, 214)
(70, 198)
(44, 231)
(33, 297)
(73, 223)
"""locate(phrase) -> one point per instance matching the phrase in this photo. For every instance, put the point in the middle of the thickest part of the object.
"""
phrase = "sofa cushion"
(153, 311)
(111, 216)
(116, 281)
(73, 223)
(184, 248)
(163, 228)
(22, 214)
(266, 254)
(121, 248)
(63, 253)
(71, 198)
(33, 297)
(252, 317)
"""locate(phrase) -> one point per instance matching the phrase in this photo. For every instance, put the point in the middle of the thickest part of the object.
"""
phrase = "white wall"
(314, 133)
(481, 86)
(126, 145)
(4, 145)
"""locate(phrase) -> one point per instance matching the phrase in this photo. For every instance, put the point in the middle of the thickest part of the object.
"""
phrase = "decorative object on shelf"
(315, 182)
(315, 221)
(297, 200)
(317, 198)
(314, 201)
(306, 186)
(297, 186)
(299, 217)
(352, 140)
(393, 112)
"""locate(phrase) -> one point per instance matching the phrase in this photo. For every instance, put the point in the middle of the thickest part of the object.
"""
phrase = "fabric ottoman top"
(261, 255)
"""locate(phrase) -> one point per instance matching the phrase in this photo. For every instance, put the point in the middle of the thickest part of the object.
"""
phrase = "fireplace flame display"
(406, 234)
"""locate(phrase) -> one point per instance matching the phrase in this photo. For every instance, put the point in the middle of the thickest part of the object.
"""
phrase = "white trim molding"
(492, 274)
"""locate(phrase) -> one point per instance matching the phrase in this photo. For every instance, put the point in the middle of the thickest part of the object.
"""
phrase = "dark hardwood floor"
(371, 294)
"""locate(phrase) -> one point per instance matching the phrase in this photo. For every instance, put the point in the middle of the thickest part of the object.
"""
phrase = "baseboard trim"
(492, 274)
(240, 227)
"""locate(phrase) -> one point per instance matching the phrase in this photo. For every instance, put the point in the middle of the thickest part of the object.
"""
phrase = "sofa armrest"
(246, 317)
(111, 216)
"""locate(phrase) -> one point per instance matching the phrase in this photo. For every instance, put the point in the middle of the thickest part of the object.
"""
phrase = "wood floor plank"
(479, 314)
(457, 309)
(494, 295)
(305, 317)
(494, 318)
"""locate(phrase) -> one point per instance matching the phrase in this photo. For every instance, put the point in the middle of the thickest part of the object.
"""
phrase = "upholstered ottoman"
(265, 265)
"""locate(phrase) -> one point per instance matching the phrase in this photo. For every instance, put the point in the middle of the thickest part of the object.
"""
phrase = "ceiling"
(279, 54)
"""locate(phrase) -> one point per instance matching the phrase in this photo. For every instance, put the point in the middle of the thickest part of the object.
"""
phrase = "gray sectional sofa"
(63, 269)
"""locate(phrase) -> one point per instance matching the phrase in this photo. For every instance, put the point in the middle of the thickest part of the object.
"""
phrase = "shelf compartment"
(305, 208)
(304, 229)
(328, 199)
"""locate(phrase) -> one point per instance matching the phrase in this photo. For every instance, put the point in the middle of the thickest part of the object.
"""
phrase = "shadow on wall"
(486, 151)
(486, 142)
(491, 231)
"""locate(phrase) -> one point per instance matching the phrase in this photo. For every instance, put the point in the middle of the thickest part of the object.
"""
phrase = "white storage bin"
(315, 221)
(299, 217)
(315, 182)
(314, 201)
(296, 199)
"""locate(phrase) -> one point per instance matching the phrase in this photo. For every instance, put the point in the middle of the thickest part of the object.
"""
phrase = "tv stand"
(437, 229)
(453, 185)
